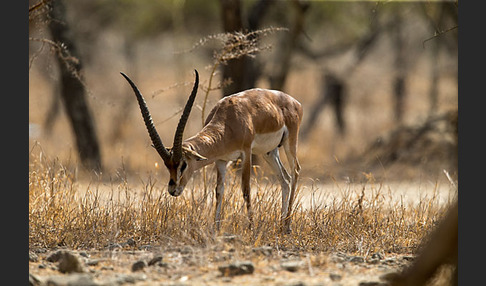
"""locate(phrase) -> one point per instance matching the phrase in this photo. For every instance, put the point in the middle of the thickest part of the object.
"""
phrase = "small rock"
(40, 250)
(146, 247)
(155, 259)
(390, 261)
(113, 246)
(335, 277)
(339, 258)
(374, 261)
(377, 255)
(130, 242)
(33, 257)
(94, 262)
(121, 279)
(187, 250)
(265, 250)
(372, 283)
(69, 263)
(34, 280)
(71, 280)
(356, 259)
(408, 258)
(164, 265)
(139, 265)
(237, 268)
(55, 256)
(84, 254)
(292, 265)
(298, 283)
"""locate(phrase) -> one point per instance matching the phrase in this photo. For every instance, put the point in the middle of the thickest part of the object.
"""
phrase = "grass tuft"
(63, 213)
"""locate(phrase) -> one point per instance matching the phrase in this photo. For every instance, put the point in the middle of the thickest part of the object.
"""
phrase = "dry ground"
(200, 266)
(351, 225)
(344, 233)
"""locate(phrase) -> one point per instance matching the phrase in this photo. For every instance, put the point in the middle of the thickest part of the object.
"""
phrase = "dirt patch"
(202, 266)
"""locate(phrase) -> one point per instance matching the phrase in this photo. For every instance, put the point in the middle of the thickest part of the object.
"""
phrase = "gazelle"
(254, 121)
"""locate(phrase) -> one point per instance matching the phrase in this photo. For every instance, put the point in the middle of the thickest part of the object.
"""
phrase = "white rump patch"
(266, 142)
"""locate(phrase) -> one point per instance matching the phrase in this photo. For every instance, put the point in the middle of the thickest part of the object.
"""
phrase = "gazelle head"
(179, 160)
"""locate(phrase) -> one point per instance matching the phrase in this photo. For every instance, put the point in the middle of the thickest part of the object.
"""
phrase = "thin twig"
(170, 117)
(38, 5)
(437, 34)
(213, 71)
(159, 91)
(47, 41)
(450, 179)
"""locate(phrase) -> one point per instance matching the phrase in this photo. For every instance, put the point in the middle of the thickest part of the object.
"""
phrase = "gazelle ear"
(193, 154)
(199, 157)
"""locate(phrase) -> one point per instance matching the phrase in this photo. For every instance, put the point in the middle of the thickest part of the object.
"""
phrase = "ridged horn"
(177, 146)
(147, 118)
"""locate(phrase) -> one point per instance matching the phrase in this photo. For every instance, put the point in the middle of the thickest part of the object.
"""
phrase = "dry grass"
(62, 212)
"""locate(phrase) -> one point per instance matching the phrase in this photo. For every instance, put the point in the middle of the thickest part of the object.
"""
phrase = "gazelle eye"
(183, 166)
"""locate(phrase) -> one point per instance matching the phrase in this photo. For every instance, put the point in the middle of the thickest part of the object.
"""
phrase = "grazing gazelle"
(254, 121)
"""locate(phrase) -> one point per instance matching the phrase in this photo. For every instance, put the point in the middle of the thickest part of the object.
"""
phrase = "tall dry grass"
(63, 212)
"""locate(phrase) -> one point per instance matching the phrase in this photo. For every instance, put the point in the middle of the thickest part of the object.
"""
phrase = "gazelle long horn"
(177, 146)
(147, 118)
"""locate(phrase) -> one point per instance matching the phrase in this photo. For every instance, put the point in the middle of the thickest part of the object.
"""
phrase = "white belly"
(266, 142)
(263, 143)
(231, 156)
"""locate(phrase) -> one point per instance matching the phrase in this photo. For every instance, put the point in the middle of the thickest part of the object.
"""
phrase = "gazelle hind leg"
(290, 147)
(273, 159)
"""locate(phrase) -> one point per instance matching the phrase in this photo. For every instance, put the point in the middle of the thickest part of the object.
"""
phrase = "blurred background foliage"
(394, 66)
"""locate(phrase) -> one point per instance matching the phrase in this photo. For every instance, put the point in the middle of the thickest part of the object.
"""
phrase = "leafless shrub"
(232, 46)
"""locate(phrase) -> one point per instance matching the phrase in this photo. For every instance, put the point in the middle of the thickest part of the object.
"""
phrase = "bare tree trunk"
(53, 112)
(436, 23)
(123, 115)
(72, 89)
(399, 84)
(332, 92)
(288, 44)
(253, 66)
(243, 71)
(234, 69)
(434, 79)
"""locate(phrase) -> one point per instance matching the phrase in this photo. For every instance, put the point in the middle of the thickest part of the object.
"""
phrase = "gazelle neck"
(209, 143)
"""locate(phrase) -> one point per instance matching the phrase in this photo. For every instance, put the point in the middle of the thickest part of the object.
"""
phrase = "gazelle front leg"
(221, 172)
(245, 183)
